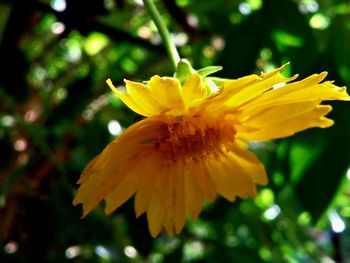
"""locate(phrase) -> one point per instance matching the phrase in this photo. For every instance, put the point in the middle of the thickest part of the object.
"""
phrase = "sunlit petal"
(194, 146)
(193, 89)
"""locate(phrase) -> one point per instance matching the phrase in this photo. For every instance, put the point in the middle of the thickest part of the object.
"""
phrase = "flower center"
(194, 138)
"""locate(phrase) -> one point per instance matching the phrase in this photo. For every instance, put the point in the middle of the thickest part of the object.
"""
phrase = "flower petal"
(262, 116)
(180, 200)
(167, 91)
(166, 207)
(251, 90)
(202, 179)
(248, 162)
(117, 160)
(169, 197)
(306, 90)
(193, 196)
(129, 101)
(229, 178)
(288, 126)
(125, 189)
(155, 210)
(99, 184)
(144, 97)
(193, 89)
(88, 170)
(148, 177)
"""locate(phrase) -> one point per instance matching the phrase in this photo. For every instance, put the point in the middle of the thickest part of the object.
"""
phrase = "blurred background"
(56, 113)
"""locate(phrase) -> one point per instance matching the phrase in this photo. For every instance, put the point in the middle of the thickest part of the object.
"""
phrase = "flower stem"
(163, 31)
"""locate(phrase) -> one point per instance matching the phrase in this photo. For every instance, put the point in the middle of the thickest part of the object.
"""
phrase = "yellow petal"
(126, 187)
(107, 171)
(167, 91)
(305, 90)
(84, 196)
(261, 117)
(155, 210)
(102, 182)
(217, 99)
(193, 196)
(203, 180)
(160, 95)
(248, 162)
(133, 140)
(180, 203)
(167, 204)
(129, 101)
(147, 180)
(323, 91)
(144, 97)
(193, 89)
(272, 95)
(169, 197)
(87, 170)
(254, 89)
(229, 178)
(287, 127)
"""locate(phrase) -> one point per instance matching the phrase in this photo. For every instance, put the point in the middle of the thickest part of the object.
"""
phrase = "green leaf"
(243, 44)
(322, 178)
(340, 46)
(208, 70)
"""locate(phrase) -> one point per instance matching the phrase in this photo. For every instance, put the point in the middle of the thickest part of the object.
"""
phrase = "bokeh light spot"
(11, 247)
(20, 145)
(244, 8)
(272, 212)
(57, 28)
(95, 43)
(130, 251)
(7, 120)
(114, 127)
(102, 252)
(337, 223)
(58, 5)
(319, 21)
(73, 252)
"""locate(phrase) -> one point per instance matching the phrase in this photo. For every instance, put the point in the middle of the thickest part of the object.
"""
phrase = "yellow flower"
(193, 145)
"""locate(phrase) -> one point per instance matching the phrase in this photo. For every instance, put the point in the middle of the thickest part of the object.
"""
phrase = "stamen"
(195, 138)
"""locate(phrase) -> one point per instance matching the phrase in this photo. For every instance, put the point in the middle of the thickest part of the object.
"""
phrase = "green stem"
(163, 31)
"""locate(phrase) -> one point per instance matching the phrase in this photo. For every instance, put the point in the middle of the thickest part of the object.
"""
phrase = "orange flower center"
(194, 138)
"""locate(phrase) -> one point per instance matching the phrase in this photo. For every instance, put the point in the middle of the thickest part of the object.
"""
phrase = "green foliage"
(56, 113)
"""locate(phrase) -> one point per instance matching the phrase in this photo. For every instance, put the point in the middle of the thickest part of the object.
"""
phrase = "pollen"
(194, 138)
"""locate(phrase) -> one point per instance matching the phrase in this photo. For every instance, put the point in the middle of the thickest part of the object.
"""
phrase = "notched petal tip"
(279, 69)
(326, 123)
(277, 73)
(138, 213)
(341, 92)
(134, 85)
(108, 210)
(323, 110)
(156, 78)
(264, 181)
(75, 202)
(85, 210)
